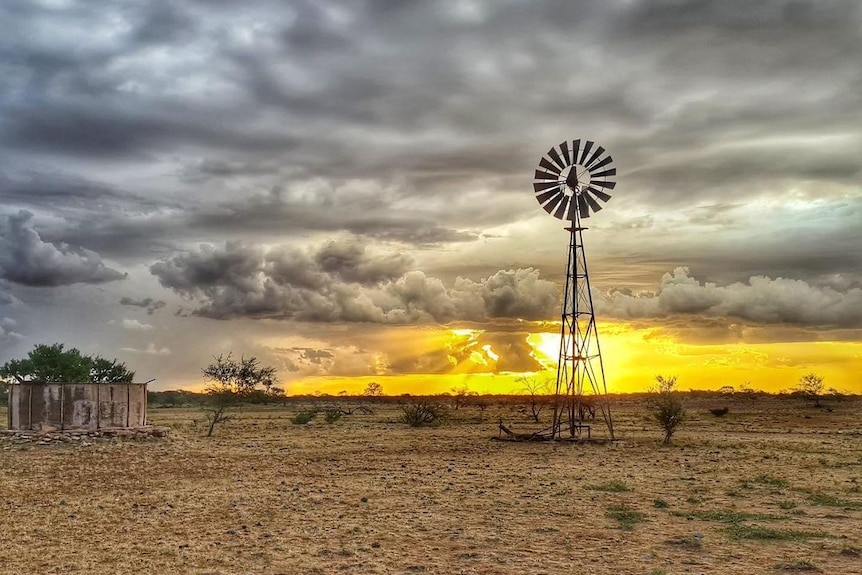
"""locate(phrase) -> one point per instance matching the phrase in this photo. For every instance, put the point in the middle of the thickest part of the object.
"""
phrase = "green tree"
(54, 363)
(666, 405)
(230, 383)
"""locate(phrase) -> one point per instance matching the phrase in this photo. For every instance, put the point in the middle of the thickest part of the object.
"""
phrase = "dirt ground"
(773, 486)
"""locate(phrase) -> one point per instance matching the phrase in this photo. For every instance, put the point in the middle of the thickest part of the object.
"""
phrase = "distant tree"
(538, 393)
(54, 363)
(230, 383)
(373, 389)
(666, 405)
(461, 396)
(726, 390)
(811, 387)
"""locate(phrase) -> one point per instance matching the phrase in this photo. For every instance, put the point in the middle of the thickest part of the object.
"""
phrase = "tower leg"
(581, 389)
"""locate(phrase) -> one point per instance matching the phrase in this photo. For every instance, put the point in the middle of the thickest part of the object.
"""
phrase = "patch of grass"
(610, 486)
(626, 517)
(770, 481)
(825, 500)
(798, 565)
(660, 504)
(303, 417)
(745, 532)
(726, 515)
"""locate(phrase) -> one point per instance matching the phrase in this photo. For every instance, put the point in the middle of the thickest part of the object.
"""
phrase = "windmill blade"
(540, 175)
(599, 151)
(611, 172)
(587, 147)
(603, 184)
(594, 205)
(564, 147)
(556, 159)
(545, 196)
(570, 214)
(576, 146)
(555, 201)
(583, 208)
(549, 166)
(542, 186)
(601, 164)
(564, 205)
(598, 193)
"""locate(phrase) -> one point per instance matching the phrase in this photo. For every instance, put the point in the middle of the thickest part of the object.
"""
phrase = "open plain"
(773, 486)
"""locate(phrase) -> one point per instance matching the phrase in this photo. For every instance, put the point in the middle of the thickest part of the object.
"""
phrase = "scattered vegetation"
(770, 481)
(626, 517)
(421, 413)
(666, 406)
(230, 382)
(726, 516)
(746, 532)
(303, 417)
(810, 386)
(719, 411)
(538, 393)
(825, 500)
(660, 504)
(797, 565)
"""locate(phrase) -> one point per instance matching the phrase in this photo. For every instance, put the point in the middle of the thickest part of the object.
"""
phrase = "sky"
(343, 189)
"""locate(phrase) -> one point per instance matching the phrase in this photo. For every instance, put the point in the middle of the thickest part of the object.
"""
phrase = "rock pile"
(81, 436)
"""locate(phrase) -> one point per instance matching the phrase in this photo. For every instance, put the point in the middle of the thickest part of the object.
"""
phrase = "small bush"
(719, 411)
(303, 417)
(660, 504)
(332, 415)
(666, 405)
(627, 518)
(421, 413)
(798, 565)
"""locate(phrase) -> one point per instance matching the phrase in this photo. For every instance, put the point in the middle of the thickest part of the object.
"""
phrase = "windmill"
(571, 180)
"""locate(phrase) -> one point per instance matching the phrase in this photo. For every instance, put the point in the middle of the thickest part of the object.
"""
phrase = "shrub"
(303, 417)
(332, 415)
(666, 406)
(419, 413)
(719, 411)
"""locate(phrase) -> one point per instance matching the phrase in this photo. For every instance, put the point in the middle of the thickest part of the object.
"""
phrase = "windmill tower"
(569, 181)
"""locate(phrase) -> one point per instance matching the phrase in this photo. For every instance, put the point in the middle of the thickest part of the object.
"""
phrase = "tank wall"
(77, 405)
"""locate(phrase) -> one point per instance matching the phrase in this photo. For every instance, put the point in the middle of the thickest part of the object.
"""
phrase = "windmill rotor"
(572, 178)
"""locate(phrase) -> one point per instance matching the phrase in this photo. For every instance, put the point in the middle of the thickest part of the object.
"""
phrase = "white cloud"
(135, 325)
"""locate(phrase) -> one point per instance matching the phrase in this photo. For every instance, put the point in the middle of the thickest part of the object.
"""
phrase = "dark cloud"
(148, 303)
(762, 300)
(25, 259)
(341, 281)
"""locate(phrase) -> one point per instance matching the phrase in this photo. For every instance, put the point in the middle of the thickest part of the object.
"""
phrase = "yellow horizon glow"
(444, 359)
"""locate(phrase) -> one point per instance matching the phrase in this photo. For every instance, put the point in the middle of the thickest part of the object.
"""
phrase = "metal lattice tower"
(567, 183)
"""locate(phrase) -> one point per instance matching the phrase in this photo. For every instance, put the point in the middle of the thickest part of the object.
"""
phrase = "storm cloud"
(25, 259)
(342, 281)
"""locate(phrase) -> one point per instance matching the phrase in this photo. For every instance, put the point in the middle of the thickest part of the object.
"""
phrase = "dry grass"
(751, 492)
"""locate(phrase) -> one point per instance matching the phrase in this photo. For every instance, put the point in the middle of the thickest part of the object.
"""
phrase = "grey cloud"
(761, 299)
(25, 259)
(341, 282)
(147, 303)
